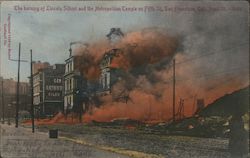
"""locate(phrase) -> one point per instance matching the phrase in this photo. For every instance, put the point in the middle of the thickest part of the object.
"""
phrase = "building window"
(108, 80)
(65, 102)
(69, 66)
(72, 66)
(105, 81)
(69, 84)
(70, 100)
(66, 68)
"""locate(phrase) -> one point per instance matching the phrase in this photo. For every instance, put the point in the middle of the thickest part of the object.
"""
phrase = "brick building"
(39, 65)
(9, 94)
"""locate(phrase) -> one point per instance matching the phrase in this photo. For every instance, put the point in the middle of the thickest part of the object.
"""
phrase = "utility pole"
(17, 88)
(183, 108)
(174, 90)
(3, 103)
(32, 92)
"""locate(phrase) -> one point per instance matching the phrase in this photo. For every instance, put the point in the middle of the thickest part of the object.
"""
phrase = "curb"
(130, 153)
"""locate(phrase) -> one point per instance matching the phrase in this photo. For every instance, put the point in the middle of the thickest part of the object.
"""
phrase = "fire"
(145, 59)
(58, 118)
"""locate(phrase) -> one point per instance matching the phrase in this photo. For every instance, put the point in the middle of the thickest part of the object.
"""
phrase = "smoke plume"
(145, 62)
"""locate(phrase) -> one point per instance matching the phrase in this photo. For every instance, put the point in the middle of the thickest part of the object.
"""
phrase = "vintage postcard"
(119, 79)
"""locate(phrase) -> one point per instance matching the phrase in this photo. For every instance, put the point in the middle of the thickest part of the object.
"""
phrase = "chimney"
(70, 51)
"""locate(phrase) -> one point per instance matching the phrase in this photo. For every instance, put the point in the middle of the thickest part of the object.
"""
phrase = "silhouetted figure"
(238, 137)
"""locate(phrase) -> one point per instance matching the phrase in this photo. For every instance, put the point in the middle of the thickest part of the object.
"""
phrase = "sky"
(49, 33)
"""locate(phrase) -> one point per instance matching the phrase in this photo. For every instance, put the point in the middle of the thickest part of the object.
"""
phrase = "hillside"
(234, 103)
(213, 120)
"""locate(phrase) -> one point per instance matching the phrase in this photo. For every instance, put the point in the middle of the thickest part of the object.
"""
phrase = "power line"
(197, 76)
(213, 86)
(208, 54)
(167, 81)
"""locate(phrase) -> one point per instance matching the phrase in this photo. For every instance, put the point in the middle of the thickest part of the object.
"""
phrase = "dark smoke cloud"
(146, 59)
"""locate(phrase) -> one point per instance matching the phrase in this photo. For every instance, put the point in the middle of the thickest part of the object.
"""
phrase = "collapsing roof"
(114, 31)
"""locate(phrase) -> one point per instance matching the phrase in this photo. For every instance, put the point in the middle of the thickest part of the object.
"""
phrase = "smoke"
(148, 46)
(144, 90)
(137, 49)
(88, 58)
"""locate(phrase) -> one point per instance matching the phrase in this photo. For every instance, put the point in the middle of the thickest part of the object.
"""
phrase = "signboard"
(53, 88)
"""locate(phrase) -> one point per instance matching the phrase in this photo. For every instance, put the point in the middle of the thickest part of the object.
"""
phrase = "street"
(147, 144)
(22, 143)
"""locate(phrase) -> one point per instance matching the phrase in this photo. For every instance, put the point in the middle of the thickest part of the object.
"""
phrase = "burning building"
(108, 74)
(115, 35)
(111, 70)
(98, 78)
(131, 77)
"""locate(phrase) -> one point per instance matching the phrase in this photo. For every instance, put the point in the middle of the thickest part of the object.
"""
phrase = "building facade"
(9, 90)
(109, 73)
(48, 90)
(78, 91)
(74, 83)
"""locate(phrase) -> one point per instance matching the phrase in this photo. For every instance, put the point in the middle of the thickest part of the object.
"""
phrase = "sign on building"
(53, 88)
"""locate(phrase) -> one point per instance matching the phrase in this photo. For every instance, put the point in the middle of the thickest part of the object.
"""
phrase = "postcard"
(118, 79)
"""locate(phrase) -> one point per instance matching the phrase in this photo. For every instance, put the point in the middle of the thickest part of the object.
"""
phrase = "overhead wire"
(208, 54)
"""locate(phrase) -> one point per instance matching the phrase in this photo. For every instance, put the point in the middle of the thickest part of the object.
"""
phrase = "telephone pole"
(174, 90)
(17, 88)
(3, 103)
(32, 92)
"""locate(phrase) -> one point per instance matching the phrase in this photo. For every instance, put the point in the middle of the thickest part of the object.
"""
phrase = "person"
(238, 138)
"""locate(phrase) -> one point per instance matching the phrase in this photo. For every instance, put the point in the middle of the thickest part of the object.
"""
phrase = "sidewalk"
(22, 143)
